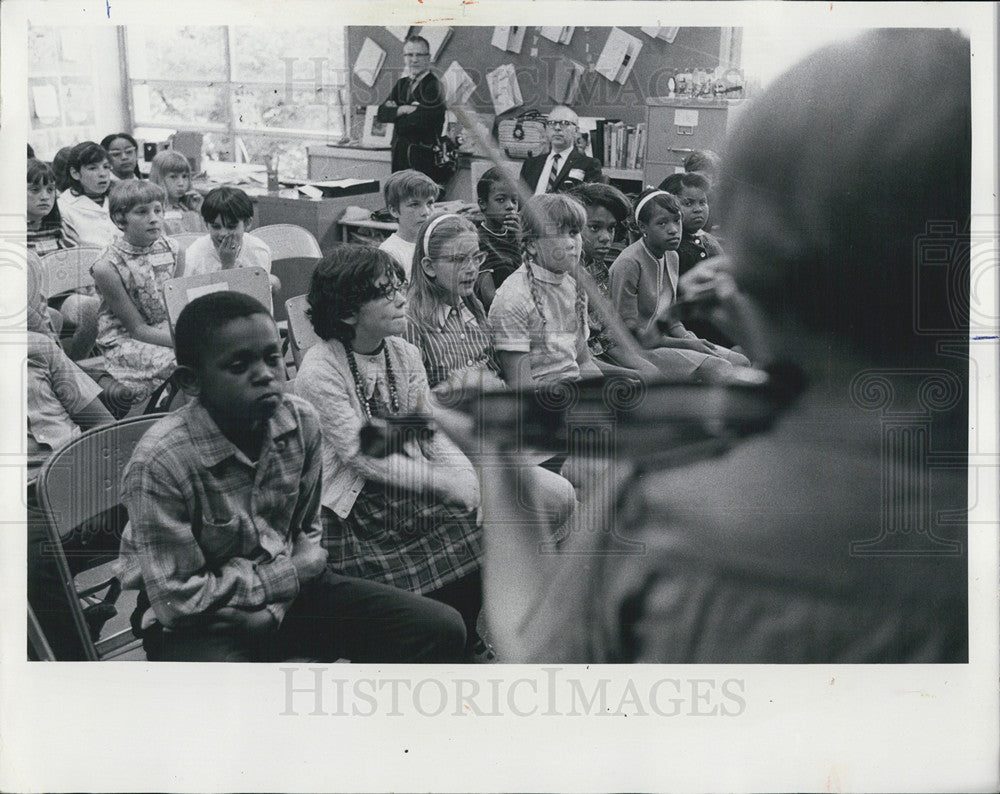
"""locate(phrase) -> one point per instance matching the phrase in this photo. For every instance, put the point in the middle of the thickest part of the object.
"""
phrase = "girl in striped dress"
(445, 319)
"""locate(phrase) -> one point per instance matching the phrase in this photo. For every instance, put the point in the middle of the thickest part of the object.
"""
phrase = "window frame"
(233, 128)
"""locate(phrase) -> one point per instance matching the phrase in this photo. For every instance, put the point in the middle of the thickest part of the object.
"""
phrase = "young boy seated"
(223, 497)
(692, 192)
(499, 233)
(228, 212)
(62, 401)
(410, 196)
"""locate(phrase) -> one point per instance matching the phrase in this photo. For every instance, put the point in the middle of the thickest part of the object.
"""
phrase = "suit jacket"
(590, 167)
(422, 125)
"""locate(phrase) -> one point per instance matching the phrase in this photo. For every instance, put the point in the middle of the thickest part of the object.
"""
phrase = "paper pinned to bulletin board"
(369, 62)
(665, 34)
(508, 39)
(505, 91)
(618, 56)
(565, 82)
(437, 36)
(458, 86)
(557, 35)
(400, 31)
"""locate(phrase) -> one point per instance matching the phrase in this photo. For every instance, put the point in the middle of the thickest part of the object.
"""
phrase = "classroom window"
(252, 90)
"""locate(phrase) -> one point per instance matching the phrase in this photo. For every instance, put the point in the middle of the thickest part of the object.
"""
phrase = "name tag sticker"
(576, 173)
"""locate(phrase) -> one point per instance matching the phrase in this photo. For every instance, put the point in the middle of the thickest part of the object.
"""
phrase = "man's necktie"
(554, 173)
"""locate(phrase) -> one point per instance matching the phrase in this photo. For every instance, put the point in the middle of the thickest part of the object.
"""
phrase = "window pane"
(286, 55)
(292, 162)
(179, 104)
(167, 53)
(296, 109)
(60, 50)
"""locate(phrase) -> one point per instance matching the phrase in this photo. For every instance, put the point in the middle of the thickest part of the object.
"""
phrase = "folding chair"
(66, 271)
(301, 335)
(78, 483)
(184, 239)
(294, 253)
(288, 241)
(179, 292)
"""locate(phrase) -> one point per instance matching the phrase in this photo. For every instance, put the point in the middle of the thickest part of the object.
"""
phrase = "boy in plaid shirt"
(224, 536)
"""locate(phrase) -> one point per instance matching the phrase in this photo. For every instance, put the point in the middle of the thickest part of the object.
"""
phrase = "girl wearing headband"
(444, 317)
(644, 285)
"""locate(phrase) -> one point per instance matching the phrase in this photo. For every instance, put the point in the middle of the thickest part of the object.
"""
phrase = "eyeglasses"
(416, 55)
(559, 123)
(476, 257)
(389, 291)
(121, 152)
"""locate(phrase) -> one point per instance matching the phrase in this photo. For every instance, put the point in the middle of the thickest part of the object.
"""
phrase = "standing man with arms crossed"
(415, 105)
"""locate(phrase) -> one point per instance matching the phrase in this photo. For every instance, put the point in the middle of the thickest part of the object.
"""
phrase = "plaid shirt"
(211, 529)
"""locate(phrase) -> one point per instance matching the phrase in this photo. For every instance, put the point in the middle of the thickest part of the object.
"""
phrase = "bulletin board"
(696, 47)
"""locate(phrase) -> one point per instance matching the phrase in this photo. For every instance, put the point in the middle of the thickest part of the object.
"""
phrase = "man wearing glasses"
(564, 166)
(415, 105)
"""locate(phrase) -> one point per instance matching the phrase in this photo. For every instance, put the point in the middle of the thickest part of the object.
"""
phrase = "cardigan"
(640, 289)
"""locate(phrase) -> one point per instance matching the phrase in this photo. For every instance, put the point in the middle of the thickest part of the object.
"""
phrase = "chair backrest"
(184, 239)
(301, 335)
(288, 241)
(78, 482)
(68, 270)
(179, 292)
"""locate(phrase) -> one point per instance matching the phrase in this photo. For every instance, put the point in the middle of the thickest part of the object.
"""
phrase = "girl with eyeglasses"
(403, 515)
(445, 319)
(123, 152)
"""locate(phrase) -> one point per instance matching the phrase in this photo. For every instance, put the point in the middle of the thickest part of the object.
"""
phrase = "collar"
(136, 250)
(547, 276)
(563, 153)
(443, 312)
(212, 447)
(649, 254)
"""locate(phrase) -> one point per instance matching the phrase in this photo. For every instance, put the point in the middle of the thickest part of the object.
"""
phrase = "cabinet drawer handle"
(679, 151)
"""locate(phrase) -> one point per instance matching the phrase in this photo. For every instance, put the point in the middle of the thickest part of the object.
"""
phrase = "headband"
(647, 197)
(433, 224)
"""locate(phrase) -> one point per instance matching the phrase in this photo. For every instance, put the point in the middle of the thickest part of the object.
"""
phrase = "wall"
(470, 46)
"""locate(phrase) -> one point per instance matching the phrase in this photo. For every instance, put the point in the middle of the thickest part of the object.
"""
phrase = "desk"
(348, 162)
(466, 208)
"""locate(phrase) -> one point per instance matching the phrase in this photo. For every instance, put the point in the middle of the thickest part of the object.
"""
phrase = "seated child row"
(407, 520)
(127, 311)
(520, 268)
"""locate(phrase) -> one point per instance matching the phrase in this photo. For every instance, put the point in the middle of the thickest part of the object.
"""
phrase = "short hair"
(418, 39)
(494, 176)
(702, 160)
(677, 182)
(129, 193)
(665, 201)
(551, 213)
(597, 194)
(824, 221)
(60, 167)
(201, 319)
(31, 152)
(343, 281)
(85, 153)
(406, 184)
(166, 163)
(230, 204)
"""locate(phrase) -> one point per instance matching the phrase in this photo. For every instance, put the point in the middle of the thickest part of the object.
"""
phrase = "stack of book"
(619, 145)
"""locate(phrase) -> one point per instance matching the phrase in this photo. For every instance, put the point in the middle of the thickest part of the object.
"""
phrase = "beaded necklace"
(368, 404)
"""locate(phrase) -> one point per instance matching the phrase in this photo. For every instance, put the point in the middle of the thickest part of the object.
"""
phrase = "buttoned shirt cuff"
(279, 579)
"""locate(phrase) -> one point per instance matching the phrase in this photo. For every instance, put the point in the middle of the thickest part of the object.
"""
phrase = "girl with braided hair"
(539, 315)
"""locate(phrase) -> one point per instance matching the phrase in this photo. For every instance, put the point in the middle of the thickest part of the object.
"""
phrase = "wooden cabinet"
(677, 126)
(319, 217)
